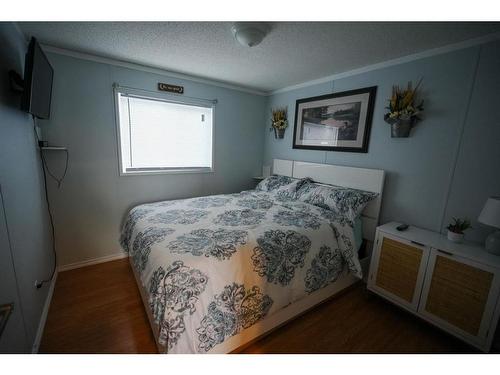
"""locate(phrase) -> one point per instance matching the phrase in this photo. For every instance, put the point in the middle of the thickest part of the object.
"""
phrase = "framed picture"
(335, 122)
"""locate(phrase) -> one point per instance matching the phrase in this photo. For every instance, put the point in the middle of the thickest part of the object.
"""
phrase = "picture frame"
(335, 122)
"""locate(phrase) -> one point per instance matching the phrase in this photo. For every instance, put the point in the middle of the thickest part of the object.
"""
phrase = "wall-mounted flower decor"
(403, 112)
(279, 121)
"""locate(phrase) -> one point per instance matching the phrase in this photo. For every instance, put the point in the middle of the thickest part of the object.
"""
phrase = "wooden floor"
(98, 309)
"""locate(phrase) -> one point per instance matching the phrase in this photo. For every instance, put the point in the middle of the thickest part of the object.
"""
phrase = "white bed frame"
(358, 178)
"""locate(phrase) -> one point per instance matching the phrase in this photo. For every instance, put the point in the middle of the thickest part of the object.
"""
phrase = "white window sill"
(143, 172)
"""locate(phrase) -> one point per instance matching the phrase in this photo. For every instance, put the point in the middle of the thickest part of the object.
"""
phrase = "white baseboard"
(107, 258)
(48, 300)
(43, 317)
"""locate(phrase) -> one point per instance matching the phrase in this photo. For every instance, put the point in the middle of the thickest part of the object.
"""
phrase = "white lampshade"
(490, 215)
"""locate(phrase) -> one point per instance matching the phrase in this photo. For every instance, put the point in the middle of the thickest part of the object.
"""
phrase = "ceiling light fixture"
(249, 34)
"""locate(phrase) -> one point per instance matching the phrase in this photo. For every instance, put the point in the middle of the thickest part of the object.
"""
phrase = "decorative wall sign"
(170, 88)
(335, 122)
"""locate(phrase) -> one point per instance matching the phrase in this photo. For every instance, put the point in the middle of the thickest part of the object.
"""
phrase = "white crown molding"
(149, 69)
(400, 60)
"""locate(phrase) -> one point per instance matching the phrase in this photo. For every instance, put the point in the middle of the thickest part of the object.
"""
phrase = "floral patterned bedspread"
(213, 266)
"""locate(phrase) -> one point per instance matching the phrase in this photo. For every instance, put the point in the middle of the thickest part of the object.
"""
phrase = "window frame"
(168, 98)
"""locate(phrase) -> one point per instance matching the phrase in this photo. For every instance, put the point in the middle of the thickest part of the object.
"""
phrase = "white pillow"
(345, 201)
(273, 182)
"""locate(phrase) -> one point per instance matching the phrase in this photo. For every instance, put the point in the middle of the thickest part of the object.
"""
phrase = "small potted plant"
(457, 228)
(403, 112)
(279, 121)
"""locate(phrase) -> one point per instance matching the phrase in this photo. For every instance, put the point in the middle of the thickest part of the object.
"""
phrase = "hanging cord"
(39, 284)
(57, 180)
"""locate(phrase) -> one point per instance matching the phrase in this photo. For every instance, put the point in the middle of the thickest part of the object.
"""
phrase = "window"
(162, 135)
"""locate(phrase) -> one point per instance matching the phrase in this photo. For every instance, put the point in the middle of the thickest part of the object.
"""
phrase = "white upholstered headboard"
(356, 178)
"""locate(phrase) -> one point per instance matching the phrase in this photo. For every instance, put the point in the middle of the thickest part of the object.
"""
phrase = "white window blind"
(159, 135)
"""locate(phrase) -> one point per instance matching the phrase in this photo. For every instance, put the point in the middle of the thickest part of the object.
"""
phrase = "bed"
(217, 272)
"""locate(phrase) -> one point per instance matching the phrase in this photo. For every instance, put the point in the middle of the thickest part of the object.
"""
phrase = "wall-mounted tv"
(38, 74)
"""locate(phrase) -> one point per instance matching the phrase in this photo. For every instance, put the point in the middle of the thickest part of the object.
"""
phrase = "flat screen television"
(38, 74)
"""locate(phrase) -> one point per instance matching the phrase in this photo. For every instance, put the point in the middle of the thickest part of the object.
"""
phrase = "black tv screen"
(38, 74)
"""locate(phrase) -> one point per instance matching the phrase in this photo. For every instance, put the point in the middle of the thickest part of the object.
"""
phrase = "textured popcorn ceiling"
(292, 53)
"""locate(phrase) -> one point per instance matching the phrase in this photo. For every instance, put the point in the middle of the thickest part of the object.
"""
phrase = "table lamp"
(490, 215)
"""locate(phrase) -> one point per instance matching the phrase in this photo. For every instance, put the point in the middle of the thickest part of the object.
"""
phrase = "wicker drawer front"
(458, 294)
(398, 268)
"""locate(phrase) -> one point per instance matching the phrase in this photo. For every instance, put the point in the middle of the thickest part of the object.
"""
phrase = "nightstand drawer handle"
(445, 252)
(417, 243)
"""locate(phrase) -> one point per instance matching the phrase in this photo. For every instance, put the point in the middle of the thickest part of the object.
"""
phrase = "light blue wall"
(94, 199)
(13, 339)
(477, 174)
(420, 168)
(25, 253)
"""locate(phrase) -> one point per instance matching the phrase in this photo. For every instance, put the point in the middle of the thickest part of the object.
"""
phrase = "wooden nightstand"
(453, 286)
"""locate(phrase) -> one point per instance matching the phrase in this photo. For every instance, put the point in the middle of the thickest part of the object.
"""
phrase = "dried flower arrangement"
(279, 121)
(403, 112)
